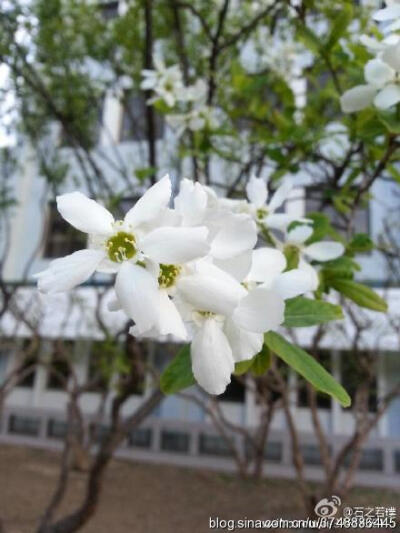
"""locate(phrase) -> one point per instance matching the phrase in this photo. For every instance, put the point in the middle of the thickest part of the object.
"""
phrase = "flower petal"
(238, 267)
(260, 311)
(299, 234)
(391, 56)
(266, 264)
(67, 272)
(85, 214)
(378, 73)
(256, 191)
(293, 283)
(151, 204)
(280, 195)
(216, 294)
(137, 292)
(244, 344)
(191, 202)
(237, 235)
(387, 13)
(175, 245)
(311, 271)
(357, 98)
(388, 97)
(324, 250)
(169, 320)
(212, 361)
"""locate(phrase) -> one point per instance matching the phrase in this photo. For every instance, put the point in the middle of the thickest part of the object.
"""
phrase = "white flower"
(198, 118)
(391, 12)
(166, 82)
(230, 234)
(383, 83)
(317, 251)
(262, 210)
(230, 318)
(133, 248)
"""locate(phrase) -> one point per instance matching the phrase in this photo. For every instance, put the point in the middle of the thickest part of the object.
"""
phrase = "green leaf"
(178, 375)
(302, 312)
(307, 367)
(261, 362)
(243, 366)
(361, 242)
(339, 26)
(360, 294)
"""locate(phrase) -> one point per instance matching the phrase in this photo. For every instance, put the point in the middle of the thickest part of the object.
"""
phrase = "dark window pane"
(23, 425)
(134, 122)
(140, 438)
(235, 392)
(213, 445)
(109, 10)
(174, 441)
(56, 429)
(396, 454)
(273, 451)
(61, 238)
(311, 454)
(371, 459)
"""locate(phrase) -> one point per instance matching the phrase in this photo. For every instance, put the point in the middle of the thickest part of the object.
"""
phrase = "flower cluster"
(193, 271)
(382, 74)
(189, 110)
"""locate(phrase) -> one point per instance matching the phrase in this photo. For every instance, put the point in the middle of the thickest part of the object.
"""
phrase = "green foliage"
(307, 367)
(360, 294)
(178, 375)
(303, 312)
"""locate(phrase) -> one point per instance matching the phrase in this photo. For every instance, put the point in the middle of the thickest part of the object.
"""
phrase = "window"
(371, 459)
(61, 238)
(323, 400)
(314, 199)
(235, 392)
(140, 438)
(273, 451)
(59, 371)
(3, 364)
(353, 376)
(311, 454)
(174, 441)
(23, 425)
(134, 122)
(57, 429)
(213, 445)
(109, 10)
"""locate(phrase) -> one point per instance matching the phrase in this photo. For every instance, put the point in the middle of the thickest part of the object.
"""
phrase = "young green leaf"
(307, 367)
(302, 312)
(178, 375)
(360, 294)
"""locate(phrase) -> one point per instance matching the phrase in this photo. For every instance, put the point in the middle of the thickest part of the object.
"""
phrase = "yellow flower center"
(168, 275)
(121, 246)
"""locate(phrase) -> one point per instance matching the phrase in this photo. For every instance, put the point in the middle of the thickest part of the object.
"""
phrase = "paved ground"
(142, 498)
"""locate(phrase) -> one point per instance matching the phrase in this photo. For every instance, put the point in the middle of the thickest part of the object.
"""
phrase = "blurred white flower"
(383, 83)
(166, 82)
